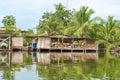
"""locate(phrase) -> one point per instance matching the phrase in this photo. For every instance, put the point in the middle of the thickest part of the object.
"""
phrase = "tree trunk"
(108, 55)
(84, 32)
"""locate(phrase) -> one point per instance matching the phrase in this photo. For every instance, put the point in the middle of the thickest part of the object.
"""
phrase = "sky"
(29, 12)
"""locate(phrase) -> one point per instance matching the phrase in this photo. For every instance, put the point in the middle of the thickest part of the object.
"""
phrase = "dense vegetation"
(81, 23)
(9, 23)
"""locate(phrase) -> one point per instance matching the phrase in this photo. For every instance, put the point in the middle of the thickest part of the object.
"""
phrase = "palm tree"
(50, 25)
(80, 22)
(62, 14)
(54, 23)
(91, 30)
(108, 33)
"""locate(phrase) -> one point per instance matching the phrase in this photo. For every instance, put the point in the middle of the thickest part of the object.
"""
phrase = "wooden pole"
(72, 45)
(9, 59)
(9, 42)
(97, 50)
(85, 45)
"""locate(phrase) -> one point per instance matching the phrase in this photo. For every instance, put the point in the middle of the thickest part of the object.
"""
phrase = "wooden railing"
(74, 46)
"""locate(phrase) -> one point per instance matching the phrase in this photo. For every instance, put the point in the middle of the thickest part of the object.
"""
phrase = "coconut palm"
(62, 14)
(49, 26)
(54, 23)
(108, 33)
(91, 30)
(80, 22)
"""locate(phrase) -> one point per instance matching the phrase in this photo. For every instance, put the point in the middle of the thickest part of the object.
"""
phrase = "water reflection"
(34, 59)
(17, 58)
(4, 59)
(43, 58)
(37, 66)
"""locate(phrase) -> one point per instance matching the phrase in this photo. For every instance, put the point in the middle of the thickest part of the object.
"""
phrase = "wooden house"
(72, 43)
(17, 42)
(64, 43)
(44, 42)
(5, 41)
(32, 43)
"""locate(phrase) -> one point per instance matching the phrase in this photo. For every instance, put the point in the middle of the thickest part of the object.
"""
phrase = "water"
(37, 66)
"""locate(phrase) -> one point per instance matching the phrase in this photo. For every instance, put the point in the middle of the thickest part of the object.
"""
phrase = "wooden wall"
(17, 41)
(5, 40)
(43, 42)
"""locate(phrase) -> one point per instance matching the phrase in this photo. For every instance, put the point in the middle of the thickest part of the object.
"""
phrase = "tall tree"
(80, 22)
(62, 14)
(108, 33)
(9, 23)
(48, 25)
(95, 24)
(54, 23)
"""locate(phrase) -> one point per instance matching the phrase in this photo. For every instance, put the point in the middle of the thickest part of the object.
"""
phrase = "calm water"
(36, 66)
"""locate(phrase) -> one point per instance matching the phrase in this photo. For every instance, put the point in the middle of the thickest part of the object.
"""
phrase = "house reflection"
(17, 58)
(23, 58)
(43, 58)
(4, 59)
(34, 56)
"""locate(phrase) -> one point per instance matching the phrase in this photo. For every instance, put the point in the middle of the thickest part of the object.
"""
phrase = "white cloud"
(102, 8)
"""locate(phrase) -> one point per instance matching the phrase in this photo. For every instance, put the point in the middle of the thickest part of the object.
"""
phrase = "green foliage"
(108, 32)
(103, 70)
(9, 23)
(16, 33)
(81, 24)
(64, 21)
(54, 23)
(82, 21)
(8, 75)
(29, 32)
(9, 20)
(74, 23)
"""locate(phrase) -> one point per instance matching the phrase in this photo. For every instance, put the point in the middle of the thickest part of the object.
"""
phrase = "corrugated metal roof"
(4, 34)
(15, 29)
(60, 36)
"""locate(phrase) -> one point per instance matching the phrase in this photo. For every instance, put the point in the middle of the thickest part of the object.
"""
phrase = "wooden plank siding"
(43, 42)
(5, 41)
(17, 42)
(64, 42)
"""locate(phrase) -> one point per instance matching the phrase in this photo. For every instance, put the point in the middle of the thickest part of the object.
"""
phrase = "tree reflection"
(27, 59)
(103, 69)
(8, 75)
